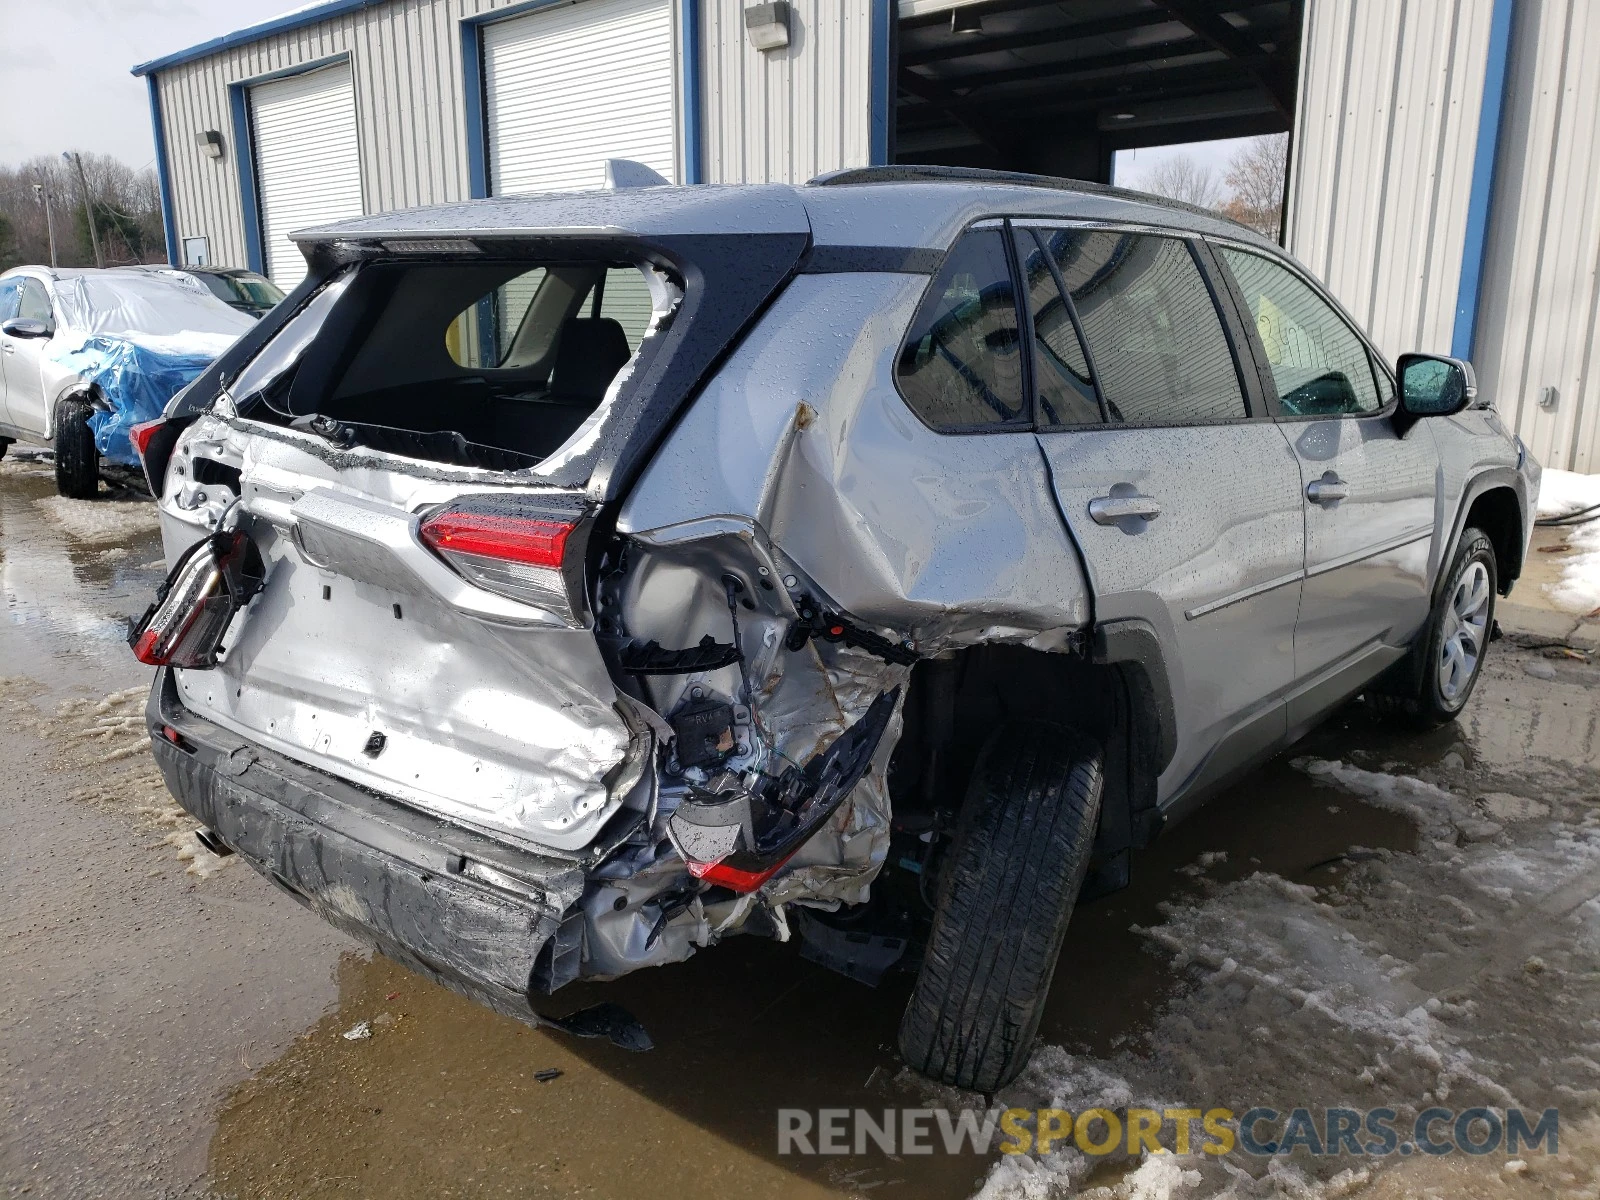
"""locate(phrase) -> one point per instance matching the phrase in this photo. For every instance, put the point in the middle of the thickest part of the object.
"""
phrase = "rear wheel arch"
(954, 703)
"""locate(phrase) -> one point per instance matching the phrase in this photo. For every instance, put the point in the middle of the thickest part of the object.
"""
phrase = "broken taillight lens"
(141, 434)
(501, 546)
(196, 604)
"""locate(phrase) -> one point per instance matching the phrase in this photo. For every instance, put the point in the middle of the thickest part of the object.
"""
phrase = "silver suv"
(565, 583)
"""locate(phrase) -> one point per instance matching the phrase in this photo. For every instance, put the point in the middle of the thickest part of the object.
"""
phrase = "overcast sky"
(1130, 165)
(64, 82)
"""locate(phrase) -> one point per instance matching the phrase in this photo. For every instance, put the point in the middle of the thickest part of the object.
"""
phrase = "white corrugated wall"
(783, 116)
(1539, 318)
(1382, 158)
(1384, 149)
(407, 62)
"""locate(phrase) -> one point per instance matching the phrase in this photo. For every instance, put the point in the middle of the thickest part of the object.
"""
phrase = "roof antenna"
(625, 173)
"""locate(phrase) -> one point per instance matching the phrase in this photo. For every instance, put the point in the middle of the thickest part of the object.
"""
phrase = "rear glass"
(490, 364)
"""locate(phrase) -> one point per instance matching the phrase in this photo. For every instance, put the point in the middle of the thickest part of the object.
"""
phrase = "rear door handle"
(1330, 489)
(1108, 510)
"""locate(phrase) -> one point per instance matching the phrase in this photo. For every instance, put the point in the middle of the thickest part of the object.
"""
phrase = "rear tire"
(1432, 684)
(5, 444)
(77, 462)
(1006, 893)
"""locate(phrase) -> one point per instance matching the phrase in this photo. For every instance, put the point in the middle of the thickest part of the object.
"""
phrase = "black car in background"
(244, 290)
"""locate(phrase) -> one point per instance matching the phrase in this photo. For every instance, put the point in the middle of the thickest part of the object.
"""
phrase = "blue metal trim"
(169, 223)
(254, 33)
(305, 68)
(1484, 163)
(882, 98)
(693, 112)
(244, 161)
(476, 105)
(244, 156)
(472, 84)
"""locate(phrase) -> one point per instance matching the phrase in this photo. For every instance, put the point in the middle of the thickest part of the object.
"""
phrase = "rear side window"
(962, 366)
(1153, 330)
(1061, 378)
(1320, 366)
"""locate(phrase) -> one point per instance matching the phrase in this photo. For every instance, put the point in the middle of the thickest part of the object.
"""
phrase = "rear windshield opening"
(490, 365)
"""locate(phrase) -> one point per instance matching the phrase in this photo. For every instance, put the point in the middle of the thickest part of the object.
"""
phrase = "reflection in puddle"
(68, 598)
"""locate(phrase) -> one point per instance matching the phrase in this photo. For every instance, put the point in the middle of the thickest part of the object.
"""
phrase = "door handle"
(1330, 489)
(1109, 510)
(8, 347)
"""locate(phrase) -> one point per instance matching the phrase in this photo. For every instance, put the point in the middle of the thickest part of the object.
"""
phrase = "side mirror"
(1432, 386)
(26, 327)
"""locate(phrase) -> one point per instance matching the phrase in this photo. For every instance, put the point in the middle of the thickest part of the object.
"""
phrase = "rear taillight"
(499, 545)
(141, 434)
(210, 583)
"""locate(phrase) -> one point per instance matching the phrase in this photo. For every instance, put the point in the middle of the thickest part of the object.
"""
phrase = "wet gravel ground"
(171, 1025)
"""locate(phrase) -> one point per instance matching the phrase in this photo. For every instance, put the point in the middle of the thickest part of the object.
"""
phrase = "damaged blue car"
(85, 355)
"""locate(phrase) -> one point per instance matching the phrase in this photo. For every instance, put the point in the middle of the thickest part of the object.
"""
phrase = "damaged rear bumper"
(466, 910)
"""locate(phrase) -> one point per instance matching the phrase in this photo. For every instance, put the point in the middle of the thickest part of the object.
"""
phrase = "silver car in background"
(561, 584)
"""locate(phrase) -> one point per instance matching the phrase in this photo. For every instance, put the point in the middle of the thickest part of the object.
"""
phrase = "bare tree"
(1255, 183)
(126, 205)
(1182, 178)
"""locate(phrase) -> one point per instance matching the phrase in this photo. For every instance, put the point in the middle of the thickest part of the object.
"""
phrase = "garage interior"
(1057, 87)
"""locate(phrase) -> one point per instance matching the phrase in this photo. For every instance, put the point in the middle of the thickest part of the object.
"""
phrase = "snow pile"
(103, 522)
(1438, 813)
(1561, 494)
(1437, 977)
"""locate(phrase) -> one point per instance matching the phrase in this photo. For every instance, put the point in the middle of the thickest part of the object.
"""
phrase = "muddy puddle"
(1379, 917)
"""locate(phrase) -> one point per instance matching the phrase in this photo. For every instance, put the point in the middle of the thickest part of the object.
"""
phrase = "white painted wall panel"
(1539, 320)
(308, 161)
(569, 87)
(783, 116)
(1382, 158)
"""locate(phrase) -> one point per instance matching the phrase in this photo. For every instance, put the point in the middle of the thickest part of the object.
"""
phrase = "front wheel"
(77, 462)
(1435, 681)
(1006, 893)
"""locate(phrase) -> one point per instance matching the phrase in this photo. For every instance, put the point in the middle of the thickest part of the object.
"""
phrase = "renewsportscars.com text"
(1258, 1131)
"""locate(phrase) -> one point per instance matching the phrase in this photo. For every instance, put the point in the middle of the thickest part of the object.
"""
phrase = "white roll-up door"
(308, 161)
(572, 86)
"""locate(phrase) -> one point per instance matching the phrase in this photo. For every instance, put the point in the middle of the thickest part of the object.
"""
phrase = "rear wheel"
(77, 462)
(1435, 681)
(1006, 893)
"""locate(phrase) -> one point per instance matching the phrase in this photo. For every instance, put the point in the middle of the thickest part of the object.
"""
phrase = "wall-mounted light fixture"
(768, 25)
(210, 142)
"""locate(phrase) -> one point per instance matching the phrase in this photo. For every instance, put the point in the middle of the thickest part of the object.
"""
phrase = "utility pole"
(41, 192)
(88, 209)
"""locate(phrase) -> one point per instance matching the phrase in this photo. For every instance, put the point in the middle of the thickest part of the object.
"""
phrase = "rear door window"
(962, 364)
(1319, 363)
(1157, 341)
(1062, 383)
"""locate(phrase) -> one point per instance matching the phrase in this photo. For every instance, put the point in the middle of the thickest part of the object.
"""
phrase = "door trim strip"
(1254, 589)
(1333, 564)
(1345, 560)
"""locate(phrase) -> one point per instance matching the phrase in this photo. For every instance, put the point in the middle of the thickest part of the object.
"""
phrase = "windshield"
(253, 291)
(145, 305)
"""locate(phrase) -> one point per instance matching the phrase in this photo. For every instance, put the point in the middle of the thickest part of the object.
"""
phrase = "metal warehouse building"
(1442, 168)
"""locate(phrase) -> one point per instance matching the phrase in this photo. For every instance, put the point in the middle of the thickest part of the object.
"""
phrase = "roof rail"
(929, 173)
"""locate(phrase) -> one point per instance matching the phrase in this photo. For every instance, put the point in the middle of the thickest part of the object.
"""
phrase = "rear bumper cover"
(462, 908)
